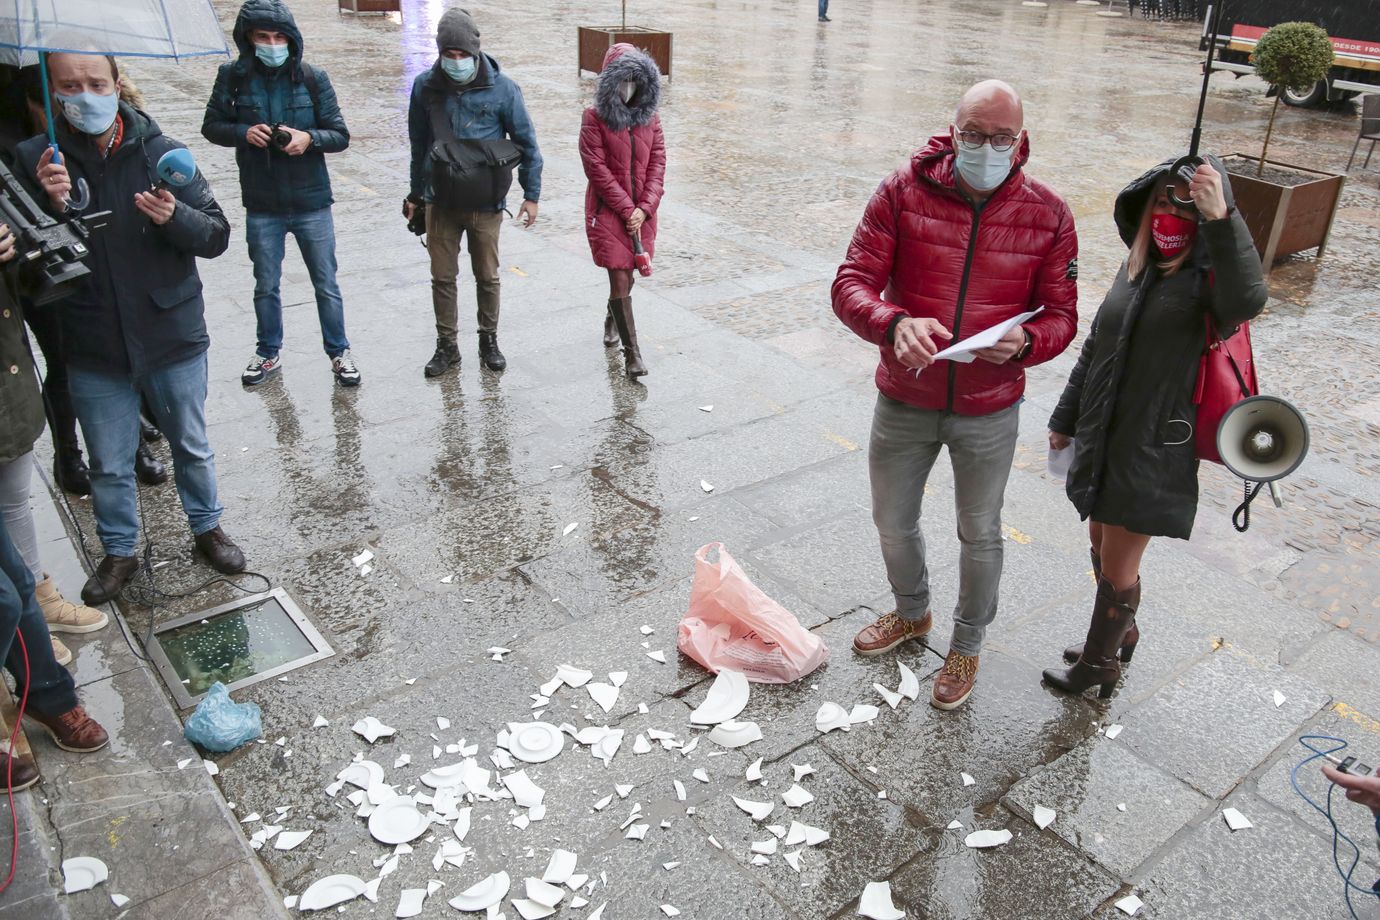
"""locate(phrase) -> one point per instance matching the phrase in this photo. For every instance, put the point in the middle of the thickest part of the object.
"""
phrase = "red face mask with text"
(1172, 233)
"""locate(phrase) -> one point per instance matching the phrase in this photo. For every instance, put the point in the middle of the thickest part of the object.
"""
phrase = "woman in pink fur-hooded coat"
(624, 156)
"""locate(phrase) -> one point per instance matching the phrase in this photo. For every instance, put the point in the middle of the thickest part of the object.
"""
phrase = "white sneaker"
(259, 369)
(344, 369)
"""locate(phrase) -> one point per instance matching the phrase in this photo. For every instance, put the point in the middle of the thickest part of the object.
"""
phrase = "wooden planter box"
(1284, 220)
(370, 6)
(595, 42)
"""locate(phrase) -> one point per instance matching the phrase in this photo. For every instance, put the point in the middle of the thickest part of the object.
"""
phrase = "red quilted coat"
(617, 141)
(923, 250)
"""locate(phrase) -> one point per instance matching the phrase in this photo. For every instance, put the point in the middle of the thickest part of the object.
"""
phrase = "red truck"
(1353, 26)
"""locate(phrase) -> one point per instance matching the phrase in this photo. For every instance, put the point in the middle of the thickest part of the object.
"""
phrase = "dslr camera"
(280, 136)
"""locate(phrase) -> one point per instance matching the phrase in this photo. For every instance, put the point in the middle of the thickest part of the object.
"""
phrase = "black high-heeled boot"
(1113, 613)
(1128, 645)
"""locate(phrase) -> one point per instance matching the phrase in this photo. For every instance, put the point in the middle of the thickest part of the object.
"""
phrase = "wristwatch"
(1025, 349)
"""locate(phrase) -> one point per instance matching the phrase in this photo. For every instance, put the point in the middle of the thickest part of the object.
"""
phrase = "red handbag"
(1226, 375)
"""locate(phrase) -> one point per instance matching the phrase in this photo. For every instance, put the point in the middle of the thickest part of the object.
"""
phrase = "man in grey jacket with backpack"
(464, 104)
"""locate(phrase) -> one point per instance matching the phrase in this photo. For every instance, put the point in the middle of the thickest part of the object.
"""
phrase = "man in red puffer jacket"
(956, 241)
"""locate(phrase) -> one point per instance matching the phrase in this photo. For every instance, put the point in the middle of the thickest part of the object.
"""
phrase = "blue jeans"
(51, 689)
(315, 233)
(108, 408)
(823, 8)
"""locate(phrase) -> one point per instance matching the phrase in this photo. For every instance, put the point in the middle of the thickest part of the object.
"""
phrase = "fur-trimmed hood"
(625, 63)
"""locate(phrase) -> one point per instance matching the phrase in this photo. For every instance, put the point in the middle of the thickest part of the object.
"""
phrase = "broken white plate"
(863, 712)
(371, 729)
(82, 873)
(758, 810)
(658, 655)
(572, 676)
(525, 792)
(287, 840)
(1129, 905)
(804, 833)
(398, 821)
(330, 891)
(607, 746)
(706, 486)
(802, 770)
(362, 558)
(727, 697)
(320, 722)
(765, 847)
(893, 699)
(1236, 820)
(1043, 816)
(797, 796)
(876, 903)
(1113, 731)
(559, 869)
(793, 859)
(484, 894)
(535, 742)
(618, 678)
(603, 803)
(910, 685)
(1279, 699)
(637, 832)
(531, 910)
(569, 528)
(544, 893)
(641, 745)
(603, 694)
(967, 780)
(735, 734)
(410, 902)
(754, 772)
(462, 824)
(830, 717)
(120, 900)
(445, 777)
(981, 839)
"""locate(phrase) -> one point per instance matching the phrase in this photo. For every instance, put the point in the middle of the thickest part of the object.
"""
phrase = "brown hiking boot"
(889, 631)
(73, 730)
(954, 683)
(16, 773)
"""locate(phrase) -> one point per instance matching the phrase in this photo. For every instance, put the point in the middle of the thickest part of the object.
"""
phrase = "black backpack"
(468, 175)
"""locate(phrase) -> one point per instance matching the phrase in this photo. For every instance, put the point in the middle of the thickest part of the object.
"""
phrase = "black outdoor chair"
(1370, 128)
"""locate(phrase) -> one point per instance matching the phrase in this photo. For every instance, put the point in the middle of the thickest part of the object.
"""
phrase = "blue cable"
(1337, 834)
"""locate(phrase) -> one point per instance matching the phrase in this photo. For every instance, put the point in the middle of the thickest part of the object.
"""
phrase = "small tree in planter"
(1292, 55)
(595, 41)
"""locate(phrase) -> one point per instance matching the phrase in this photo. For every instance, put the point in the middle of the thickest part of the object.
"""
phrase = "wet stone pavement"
(463, 489)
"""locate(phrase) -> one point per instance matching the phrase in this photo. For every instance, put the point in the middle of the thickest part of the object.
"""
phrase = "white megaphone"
(1262, 439)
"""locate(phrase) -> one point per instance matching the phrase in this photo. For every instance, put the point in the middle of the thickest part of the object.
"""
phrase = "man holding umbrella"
(135, 324)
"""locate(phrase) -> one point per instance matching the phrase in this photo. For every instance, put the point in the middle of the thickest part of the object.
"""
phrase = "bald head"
(992, 107)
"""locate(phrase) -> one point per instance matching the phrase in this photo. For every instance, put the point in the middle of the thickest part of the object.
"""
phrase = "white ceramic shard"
(801, 770)
(760, 860)
(765, 847)
(758, 810)
(641, 745)
(694, 743)
(82, 873)
(892, 698)
(967, 780)
(1113, 731)
(910, 685)
(535, 742)
(708, 408)
(525, 792)
(797, 796)
(606, 695)
(598, 913)
(1042, 816)
(657, 656)
(726, 698)
(462, 824)
(754, 772)
(398, 821)
(1236, 820)
(1129, 905)
(1279, 699)
(793, 859)
(669, 911)
(320, 722)
(618, 678)
(735, 734)
(701, 774)
(572, 676)
(668, 866)
(362, 558)
(560, 868)
(680, 790)
(607, 747)
(330, 891)
(410, 902)
(531, 910)
(955, 826)
(550, 687)
(544, 893)
(289, 839)
(182, 764)
(592, 734)
(447, 776)
(570, 528)
(371, 729)
(704, 484)
(120, 900)
(211, 767)
(637, 832)
(1121, 806)
(623, 790)
(876, 903)
(863, 712)
(982, 839)
(603, 803)
(484, 894)
(646, 630)
(830, 717)
(804, 833)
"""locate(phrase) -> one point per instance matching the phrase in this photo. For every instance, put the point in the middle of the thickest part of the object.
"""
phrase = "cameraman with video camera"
(136, 324)
(281, 116)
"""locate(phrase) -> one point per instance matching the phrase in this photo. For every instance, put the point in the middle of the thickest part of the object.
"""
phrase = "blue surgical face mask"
(272, 55)
(984, 168)
(461, 71)
(90, 113)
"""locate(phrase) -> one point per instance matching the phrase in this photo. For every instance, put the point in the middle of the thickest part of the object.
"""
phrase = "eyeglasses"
(975, 139)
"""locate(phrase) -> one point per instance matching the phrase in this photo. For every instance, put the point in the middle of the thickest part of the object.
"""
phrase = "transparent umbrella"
(176, 29)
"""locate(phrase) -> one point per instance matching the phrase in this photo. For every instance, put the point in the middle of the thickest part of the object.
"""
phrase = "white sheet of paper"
(964, 351)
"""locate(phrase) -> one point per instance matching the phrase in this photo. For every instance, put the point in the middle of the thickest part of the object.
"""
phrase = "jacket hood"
(273, 15)
(625, 63)
(1135, 197)
(934, 162)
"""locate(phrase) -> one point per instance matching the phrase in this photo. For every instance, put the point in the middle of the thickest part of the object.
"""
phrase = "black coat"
(141, 308)
(1129, 400)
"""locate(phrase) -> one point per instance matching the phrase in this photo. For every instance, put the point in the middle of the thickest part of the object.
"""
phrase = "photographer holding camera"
(136, 324)
(281, 116)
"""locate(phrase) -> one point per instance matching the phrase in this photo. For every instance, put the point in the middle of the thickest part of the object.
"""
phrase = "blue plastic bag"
(221, 724)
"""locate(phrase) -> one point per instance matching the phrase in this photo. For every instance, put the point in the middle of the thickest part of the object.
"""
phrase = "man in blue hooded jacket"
(281, 116)
(478, 102)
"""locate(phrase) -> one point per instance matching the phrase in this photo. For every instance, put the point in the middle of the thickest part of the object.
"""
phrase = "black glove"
(417, 222)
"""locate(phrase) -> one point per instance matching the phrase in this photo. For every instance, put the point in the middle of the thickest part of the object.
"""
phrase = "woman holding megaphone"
(1128, 408)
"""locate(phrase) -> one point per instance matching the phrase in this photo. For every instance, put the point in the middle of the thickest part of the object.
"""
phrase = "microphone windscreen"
(177, 168)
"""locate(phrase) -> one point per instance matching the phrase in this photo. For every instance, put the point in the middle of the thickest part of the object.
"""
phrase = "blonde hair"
(1140, 247)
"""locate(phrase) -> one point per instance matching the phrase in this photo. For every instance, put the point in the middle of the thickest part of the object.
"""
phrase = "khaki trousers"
(444, 230)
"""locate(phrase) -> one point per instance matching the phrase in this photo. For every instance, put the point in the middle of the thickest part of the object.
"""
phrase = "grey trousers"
(905, 444)
(18, 513)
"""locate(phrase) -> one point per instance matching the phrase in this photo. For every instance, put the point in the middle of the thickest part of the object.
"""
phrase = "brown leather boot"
(1128, 645)
(889, 631)
(221, 551)
(954, 683)
(1113, 613)
(627, 332)
(610, 328)
(111, 575)
(73, 730)
(16, 773)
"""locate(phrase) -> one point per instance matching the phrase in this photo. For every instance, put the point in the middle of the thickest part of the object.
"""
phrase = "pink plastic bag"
(732, 624)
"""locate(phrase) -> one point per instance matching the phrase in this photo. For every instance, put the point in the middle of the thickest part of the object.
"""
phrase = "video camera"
(48, 252)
